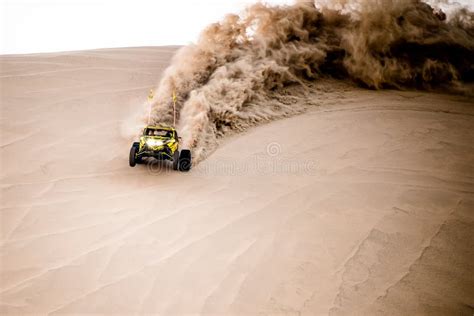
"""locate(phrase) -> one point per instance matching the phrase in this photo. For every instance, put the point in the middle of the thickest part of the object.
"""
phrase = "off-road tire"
(131, 158)
(185, 160)
(138, 160)
(176, 160)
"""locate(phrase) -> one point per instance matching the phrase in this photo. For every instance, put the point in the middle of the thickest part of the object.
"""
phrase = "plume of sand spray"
(242, 69)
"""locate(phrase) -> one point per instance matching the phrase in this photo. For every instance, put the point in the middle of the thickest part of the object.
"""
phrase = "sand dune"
(362, 205)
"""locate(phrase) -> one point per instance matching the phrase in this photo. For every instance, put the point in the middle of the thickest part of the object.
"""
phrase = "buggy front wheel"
(185, 160)
(132, 158)
(176, 160)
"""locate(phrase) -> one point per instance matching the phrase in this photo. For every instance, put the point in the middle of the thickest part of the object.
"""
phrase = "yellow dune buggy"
(162, 143)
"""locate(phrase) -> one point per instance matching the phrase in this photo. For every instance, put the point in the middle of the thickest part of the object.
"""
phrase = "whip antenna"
(174, 108)
(150, 98)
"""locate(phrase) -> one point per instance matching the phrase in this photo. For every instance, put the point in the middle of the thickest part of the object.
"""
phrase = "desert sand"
(364, 204)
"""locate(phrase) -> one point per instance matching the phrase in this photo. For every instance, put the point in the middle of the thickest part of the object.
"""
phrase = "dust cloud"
(256, 66)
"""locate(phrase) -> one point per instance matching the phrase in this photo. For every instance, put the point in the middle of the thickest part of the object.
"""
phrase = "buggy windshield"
(158, 132)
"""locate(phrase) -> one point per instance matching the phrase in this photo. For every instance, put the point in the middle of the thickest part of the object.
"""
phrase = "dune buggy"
(162, 143)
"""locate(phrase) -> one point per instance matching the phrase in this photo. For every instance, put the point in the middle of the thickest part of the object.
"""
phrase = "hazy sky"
(30, 26)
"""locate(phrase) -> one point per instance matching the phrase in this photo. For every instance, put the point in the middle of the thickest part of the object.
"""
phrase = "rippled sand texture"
(364, 204)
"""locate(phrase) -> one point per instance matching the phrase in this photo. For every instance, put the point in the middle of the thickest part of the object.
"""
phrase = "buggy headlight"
(154, 142)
